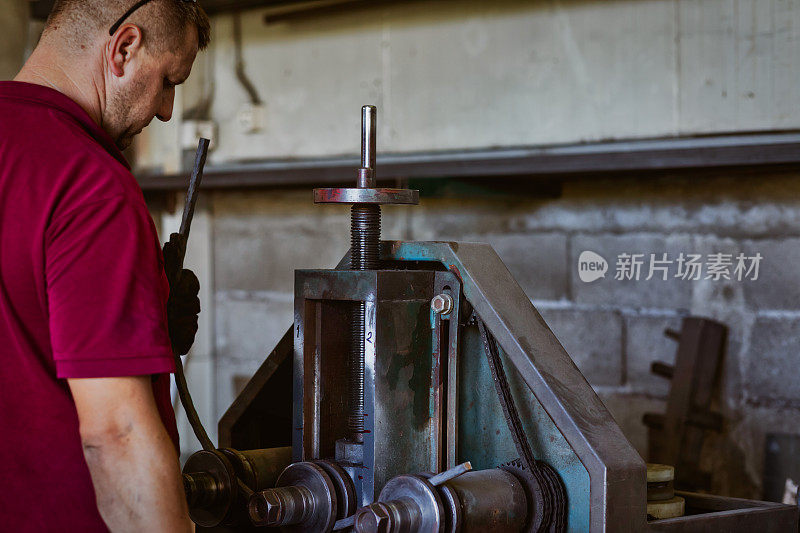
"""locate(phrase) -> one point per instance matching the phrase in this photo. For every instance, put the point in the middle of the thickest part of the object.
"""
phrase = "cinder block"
(447, 219)
(593, 339)
(537, 261)
(772, 361)
(260, 241)
(627, 410)
(248, 328)
(228, 373)
(716, 205)
(395, 222)
(718, 298)
(778, 283)
(13, 25)
(656, 292)
(645, 343)
(737, 459)
(724, 301)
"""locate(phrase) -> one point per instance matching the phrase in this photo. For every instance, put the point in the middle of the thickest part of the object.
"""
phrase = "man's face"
(147, 89)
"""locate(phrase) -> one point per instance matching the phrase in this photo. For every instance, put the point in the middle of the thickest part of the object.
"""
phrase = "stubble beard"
(119, 121)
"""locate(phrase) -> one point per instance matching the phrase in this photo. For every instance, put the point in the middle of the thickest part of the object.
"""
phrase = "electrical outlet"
(251, 117)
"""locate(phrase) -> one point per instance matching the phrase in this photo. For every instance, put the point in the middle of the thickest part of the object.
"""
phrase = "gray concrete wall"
(13, 36)
(474, 74)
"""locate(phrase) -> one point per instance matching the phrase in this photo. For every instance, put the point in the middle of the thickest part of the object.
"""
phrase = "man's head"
(137, 63)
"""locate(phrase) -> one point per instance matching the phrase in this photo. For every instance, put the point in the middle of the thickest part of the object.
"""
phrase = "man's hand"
(183, 305)
(133, 463)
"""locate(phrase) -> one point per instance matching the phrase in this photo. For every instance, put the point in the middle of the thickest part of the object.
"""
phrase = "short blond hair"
(157, 19)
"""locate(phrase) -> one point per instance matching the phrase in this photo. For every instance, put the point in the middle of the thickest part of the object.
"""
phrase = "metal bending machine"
(419, 390)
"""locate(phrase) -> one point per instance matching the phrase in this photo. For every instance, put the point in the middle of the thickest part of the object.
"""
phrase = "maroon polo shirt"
(82, 295)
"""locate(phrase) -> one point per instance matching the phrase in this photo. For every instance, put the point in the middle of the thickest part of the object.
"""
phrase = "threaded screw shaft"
(365, 236)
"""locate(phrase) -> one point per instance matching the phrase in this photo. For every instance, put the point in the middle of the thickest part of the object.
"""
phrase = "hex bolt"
(267, 508)
(281, 506)
(395, 516)
(374, 519)
(442, 304)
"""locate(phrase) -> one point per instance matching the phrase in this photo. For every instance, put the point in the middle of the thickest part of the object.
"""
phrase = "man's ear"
(124, 44)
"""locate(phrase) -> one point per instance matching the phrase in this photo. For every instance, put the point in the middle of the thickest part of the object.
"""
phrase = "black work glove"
(183, 305)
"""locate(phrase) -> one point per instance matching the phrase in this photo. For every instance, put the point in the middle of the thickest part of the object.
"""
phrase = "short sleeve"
(107, 291)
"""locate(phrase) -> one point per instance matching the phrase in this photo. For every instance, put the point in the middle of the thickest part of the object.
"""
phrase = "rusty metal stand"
(676, 437)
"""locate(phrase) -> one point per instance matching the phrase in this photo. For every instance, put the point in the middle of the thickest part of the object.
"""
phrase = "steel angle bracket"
(617, 474)
(246, 424)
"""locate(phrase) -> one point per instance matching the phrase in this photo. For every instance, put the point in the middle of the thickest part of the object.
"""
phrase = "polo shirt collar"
(50, 97)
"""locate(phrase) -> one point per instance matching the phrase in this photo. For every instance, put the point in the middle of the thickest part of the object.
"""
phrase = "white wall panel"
(471, 74)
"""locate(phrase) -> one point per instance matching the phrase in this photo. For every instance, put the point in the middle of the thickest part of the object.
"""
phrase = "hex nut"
(442, 304)
(265, 508)
(374, 519)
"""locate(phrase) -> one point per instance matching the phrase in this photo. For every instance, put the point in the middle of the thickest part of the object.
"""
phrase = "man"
(87, 435)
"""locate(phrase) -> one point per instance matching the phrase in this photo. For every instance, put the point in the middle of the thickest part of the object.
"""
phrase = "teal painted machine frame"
(565, 421)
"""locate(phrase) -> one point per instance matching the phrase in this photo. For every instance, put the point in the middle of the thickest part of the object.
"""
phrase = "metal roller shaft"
(201, 489)
(369, 115)
(487, 501)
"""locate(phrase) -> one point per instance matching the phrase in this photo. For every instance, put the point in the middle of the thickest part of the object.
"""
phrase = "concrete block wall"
(612, 329)
(14, 35)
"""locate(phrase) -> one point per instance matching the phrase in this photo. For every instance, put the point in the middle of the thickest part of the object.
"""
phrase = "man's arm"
(131, 458)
